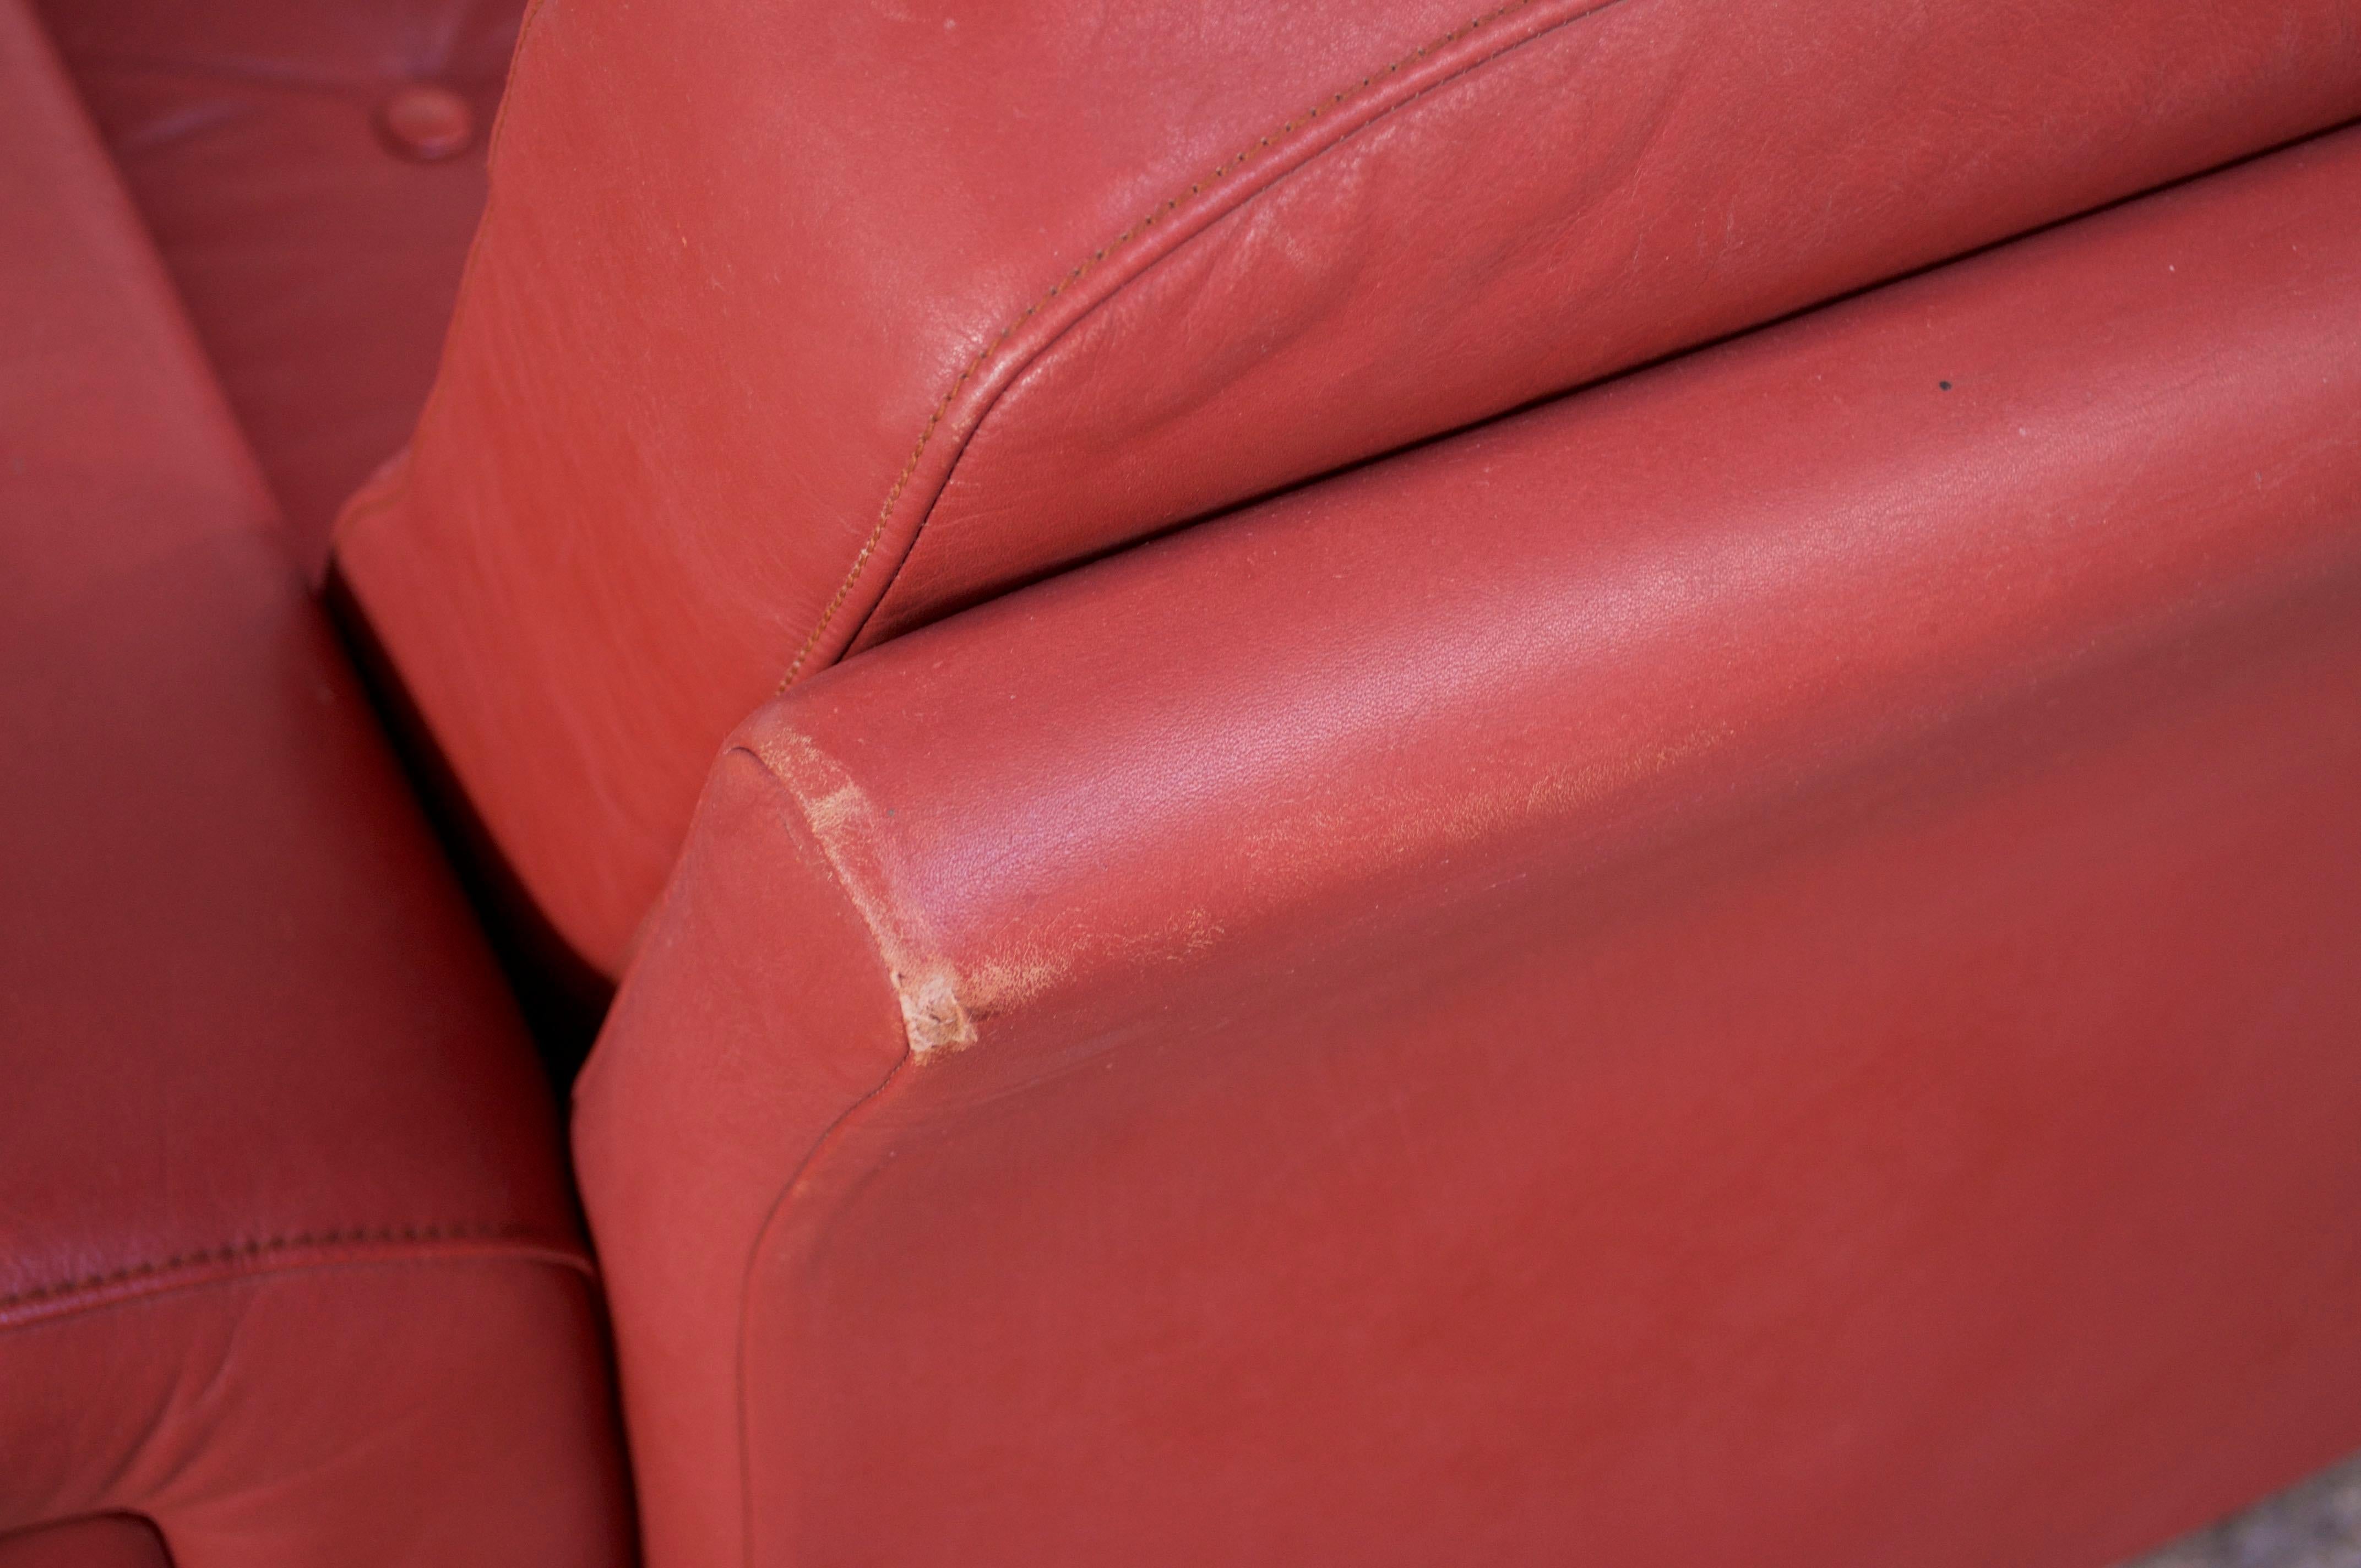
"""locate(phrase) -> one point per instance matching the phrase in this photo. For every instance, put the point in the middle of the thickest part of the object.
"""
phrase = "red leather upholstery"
(114, 1542)
(288, 1264)
(318, 261)
(1757, 965)
(794, 328)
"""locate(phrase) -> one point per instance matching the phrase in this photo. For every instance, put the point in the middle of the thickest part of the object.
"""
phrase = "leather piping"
(881, 945)
(1238, 193)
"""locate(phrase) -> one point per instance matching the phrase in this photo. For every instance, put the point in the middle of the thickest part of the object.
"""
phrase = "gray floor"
(2315, 1525)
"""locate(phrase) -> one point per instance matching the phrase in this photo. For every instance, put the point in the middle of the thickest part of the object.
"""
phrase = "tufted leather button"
(426, 122)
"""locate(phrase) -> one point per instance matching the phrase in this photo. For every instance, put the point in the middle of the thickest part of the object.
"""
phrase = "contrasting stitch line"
(942, 405)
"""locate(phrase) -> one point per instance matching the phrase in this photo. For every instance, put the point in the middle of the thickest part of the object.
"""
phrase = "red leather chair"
(1392, 786)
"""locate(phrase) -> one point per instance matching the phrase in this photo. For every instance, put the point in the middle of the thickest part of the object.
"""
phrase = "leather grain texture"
(1757, 964)
(287, 1261)
(791, 329)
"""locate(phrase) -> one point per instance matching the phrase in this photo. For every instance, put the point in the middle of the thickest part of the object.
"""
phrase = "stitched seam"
(270, 1246)
(1076, 275)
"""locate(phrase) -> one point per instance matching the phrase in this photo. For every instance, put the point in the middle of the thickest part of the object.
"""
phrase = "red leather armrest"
(1758, 964)
(789, 330)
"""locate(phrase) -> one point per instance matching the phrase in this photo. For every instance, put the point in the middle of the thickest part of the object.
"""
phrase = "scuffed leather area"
(318, 263)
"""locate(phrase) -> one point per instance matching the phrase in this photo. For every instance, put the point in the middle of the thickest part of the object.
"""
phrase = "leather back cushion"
(789, 329)
(318, 262)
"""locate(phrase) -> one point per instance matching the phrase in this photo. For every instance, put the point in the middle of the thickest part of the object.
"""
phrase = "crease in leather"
(1203, 215)
(16, 1535)
(302, 1250)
